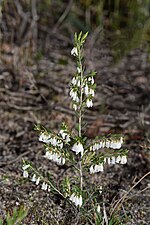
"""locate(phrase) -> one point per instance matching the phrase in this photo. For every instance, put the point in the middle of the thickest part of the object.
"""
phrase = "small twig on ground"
(121, 200)
(16, 159)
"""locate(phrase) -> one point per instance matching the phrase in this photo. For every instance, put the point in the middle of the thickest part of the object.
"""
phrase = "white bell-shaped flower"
(48, 155)
(37, 181)
(89, 103)
(98, 209)
(91, 92)
(80, 201)
(68, 138)
(72, 197)
(92, 169)
(113, 160)
(44, 186)
(108, 160)
(107, 144)
(118, 159)
(33, 178)
(86, 89)
(123, 159)
(74, 51)
(45, 138)
(54, 141)
(78, 70)
(77, 200)
(25, 173)
(25, 167)
(77, 148)
(74, 81)
(75, 107)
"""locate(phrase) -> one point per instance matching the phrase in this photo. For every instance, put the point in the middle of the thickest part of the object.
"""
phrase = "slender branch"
(51, 185)
(63, 16)
(47, 181)
(119, 203)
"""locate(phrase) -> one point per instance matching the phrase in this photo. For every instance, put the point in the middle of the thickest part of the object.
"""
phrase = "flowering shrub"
(66, 147)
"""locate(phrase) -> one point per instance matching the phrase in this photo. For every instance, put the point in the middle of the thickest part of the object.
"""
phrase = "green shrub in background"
(126, 22)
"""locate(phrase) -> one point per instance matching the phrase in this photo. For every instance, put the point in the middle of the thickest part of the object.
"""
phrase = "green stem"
(47, 181)
(80, 114)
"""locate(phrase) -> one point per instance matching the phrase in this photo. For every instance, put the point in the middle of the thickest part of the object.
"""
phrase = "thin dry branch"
(121, 200)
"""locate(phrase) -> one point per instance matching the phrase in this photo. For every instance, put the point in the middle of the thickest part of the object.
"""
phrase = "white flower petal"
(62, 161)
(37, 181)
(78, 83)
(54, 141)
(45, 138)
(25, 167)
(100, 144)
(101, 167)
(33, 178)
(48, 155)
(91, 92)
(74, 107)
(44, 186)
(86, 90)
(72, 197)
(74, 51)
(113, 160)
(89, 103)
(107, 144)
(92, 169)
(98, 209)
(78, 147)
(74, 81)
(118, 159)
(92, 80)
(108, 160)
(68, 138)
(25, 173)
(78, 70)
(123, 159)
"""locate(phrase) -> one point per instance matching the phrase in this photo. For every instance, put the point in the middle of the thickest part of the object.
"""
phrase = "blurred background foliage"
(126, 23)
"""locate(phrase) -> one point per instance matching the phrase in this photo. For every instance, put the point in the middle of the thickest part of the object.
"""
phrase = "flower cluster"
(55, 157)
(89, 90)
(25, 171)
(44, 185)
(119, 159)
(114, 144)
(77, 148)
(110, 160)
(76, 83)
(97, 168)
(57, 141)
(75, 92)
(65, 135)
(82, 87)
(77, 200)
(35, 178)
(46, 138)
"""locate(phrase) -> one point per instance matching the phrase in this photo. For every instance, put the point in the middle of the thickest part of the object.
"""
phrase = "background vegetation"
(126, 23)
